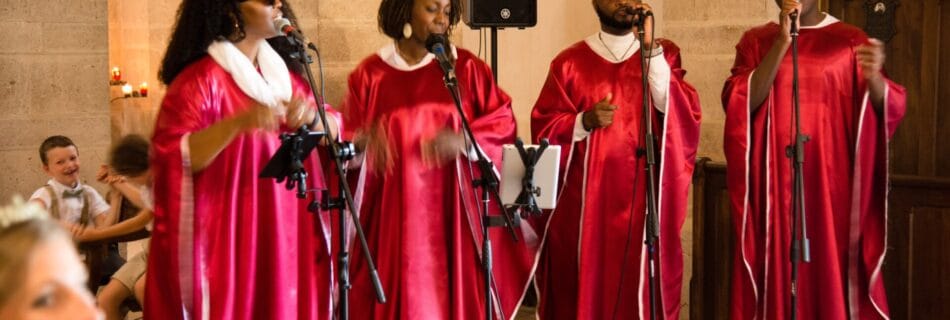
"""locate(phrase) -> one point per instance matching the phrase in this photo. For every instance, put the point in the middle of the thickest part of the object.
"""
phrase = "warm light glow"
(116, 74)
(143, 89)
(127, 90)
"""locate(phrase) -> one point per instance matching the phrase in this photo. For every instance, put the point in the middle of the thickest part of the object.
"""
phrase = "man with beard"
(594, 263)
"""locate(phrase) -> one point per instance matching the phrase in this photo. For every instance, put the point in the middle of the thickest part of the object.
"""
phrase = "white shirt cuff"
(579, 132)
(659, 78)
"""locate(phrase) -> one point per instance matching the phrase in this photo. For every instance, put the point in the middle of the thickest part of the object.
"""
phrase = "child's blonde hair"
(23, 227)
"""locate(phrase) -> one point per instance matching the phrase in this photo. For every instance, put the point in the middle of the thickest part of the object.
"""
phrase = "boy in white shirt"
(65, 197)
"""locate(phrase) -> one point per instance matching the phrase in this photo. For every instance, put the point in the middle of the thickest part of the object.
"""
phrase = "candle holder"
(127, 90)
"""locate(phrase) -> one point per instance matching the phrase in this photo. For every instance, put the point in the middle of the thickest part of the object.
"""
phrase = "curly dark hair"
(54, 142)
(201, 22)
(129, 157)
(393, 14)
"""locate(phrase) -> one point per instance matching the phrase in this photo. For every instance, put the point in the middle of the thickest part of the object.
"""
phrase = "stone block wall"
(53, 80)
(707, 32)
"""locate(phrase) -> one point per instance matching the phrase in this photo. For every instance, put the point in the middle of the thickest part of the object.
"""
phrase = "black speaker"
(500, 13)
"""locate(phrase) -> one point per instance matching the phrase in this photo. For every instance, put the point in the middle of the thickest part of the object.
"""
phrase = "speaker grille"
(500, 13)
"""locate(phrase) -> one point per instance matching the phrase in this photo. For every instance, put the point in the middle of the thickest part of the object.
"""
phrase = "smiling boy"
(65, 197)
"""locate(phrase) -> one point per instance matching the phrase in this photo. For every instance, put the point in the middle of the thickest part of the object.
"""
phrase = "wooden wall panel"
(915, 61)
(929, 258)
(942, 100)
(914, 267)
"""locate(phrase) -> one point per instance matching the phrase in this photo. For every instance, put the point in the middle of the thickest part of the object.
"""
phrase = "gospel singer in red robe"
(226, 243)
(849, 109)
(594, 262)
(415, 191)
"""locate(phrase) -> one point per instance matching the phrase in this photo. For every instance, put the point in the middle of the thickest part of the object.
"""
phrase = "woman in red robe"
(849, 110)
(414, 192)
(227, 244)
(594, 264)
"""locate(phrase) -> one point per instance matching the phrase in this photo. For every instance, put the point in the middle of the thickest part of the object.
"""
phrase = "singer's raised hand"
(259, 116)
(601, 115)
(870, 57)
(442, 148)
(299, 112)
(640, 8)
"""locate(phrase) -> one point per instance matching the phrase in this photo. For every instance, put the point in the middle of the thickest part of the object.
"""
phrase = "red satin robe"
(587, 270)
(227, 244)
(421, 222)
(845, 176)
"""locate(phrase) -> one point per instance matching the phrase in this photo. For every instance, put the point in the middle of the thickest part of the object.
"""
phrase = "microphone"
(639, 14)
(286, 28)
(438, 44)
(793, 29)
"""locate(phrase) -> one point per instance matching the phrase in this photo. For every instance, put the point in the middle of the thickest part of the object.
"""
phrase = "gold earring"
(407, 30)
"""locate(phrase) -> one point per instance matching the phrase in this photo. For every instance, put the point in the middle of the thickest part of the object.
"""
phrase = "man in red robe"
(415, 194)
(849, 110)
(594, 260)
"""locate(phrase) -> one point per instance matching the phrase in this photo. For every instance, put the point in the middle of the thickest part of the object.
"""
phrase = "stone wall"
(707, 32)
(53, 80)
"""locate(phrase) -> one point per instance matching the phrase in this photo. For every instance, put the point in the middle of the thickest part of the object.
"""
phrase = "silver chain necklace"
(600, 36)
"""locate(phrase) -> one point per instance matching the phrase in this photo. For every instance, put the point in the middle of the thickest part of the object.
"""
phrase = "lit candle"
(116, 74)
(127, 90)
(143, 89)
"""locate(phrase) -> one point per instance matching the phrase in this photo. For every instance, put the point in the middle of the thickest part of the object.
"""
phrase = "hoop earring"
(407, 30)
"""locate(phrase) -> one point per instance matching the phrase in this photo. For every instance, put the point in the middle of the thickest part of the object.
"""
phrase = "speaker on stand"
(499, 14)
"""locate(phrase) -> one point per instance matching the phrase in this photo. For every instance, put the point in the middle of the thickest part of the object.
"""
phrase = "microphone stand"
(652, 218)
(796, 152)
(339, 152)
(488, 182)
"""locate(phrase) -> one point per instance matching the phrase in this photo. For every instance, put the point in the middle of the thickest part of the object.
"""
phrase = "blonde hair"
(23, 227)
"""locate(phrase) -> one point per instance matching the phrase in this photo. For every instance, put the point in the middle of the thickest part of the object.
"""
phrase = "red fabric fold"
(421, 223)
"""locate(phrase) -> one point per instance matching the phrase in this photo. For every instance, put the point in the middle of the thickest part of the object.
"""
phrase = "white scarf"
(270, 90)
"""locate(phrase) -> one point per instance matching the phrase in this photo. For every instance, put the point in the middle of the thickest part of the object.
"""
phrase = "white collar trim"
(607, 46)
(389, 55)
(827, 21)
(270, 87)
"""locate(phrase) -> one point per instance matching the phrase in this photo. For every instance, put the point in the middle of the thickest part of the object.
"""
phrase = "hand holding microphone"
(789, 18)
(640, 12)
(643, 20)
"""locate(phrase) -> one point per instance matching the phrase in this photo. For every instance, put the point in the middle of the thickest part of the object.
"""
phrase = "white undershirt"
(609, 46)
(827, 21)
(389, 55)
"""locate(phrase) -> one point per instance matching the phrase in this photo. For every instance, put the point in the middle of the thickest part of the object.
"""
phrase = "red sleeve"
(185, 109)
(554, 113)
(493, 123)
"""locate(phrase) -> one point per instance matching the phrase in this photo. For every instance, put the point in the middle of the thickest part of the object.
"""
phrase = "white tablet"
(545, 175)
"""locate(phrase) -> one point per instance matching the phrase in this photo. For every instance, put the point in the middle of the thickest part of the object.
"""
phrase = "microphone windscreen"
(434, 39)
(281, 24)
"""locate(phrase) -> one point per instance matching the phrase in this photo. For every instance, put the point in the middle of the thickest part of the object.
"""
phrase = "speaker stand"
(494, 53)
